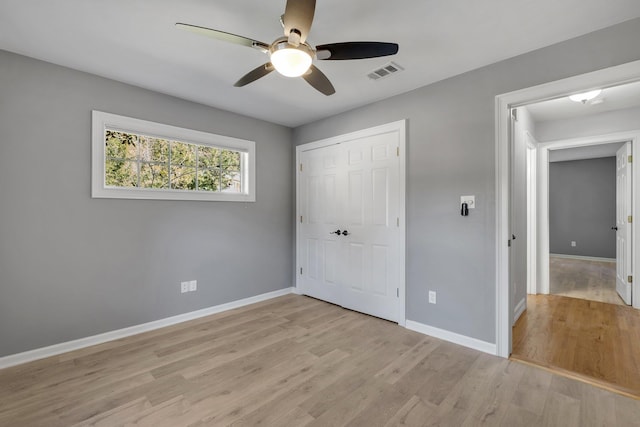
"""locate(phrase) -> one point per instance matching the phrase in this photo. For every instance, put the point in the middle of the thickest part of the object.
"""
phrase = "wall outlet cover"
(193, 285)
(432, 297)
(573, 244)
(184, 287)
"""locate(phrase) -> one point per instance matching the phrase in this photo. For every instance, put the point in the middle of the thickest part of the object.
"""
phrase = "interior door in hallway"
(353, 188)
(623, 225)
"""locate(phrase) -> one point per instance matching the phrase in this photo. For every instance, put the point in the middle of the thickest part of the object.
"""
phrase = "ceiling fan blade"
(319, 81)
(255, 74)
(226, 37)
(298, 15)
(355, 50)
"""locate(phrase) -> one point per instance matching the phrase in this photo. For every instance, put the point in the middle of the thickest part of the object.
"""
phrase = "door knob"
(336, 232)
(345, 233)
(614, 228)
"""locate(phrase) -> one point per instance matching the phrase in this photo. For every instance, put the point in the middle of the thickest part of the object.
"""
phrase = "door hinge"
(398, 292)
(300, 167)
(509, 243)
(630, 279)
(301, 271)
(398, 221)
(300, 219)
(629, 219)
(630, 158)
(398, 151)
(514, 114)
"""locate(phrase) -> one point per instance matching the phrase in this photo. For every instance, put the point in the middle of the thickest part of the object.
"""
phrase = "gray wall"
(72, 266)
(594, 124)
(452, 153)
(582, 207)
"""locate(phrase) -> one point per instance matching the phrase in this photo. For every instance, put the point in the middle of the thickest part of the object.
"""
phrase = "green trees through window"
(133, 160)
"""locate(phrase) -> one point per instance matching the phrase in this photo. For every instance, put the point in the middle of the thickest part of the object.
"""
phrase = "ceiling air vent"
(385, 71)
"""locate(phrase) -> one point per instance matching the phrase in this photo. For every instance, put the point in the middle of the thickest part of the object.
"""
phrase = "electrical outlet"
(432, 297)
(193, 285)
(573, 244)
(184, 287)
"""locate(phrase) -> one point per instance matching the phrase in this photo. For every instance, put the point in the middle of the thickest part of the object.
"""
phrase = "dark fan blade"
(356, 50)
(298, 15)
(319, 81)
(221, 35)
(255, 74)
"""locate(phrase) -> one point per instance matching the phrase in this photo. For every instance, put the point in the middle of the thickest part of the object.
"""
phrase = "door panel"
(623, 232)
(359, 194)
(320, 212)
(355, 200)
(380, 202)
(379, 277)
(377, 233)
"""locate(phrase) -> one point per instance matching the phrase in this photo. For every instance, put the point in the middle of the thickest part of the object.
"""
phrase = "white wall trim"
(582, 257)
(56, 349)
(532, 212)
(476, 344)
(520, 308)
(399, 126)
(608, 77)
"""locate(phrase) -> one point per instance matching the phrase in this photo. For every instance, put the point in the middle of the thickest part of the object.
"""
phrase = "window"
(138, 159)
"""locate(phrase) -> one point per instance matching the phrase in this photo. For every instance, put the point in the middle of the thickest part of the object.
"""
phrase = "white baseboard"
(463, 340)
(520, 308)
(56, 349)
(582, 257)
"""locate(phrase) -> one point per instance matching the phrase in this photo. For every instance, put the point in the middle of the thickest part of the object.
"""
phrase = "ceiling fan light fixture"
(289, 60)
(586, 96)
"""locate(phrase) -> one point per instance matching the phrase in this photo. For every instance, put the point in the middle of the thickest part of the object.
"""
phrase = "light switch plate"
(469, 200)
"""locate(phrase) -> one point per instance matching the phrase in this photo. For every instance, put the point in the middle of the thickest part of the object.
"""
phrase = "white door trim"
(532, 212)
(543, 181)
(400, 127)
(598, 79)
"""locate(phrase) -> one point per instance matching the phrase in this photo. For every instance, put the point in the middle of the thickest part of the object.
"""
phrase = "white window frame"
(102, 121)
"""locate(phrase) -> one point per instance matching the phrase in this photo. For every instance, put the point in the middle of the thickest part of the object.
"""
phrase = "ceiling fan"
(291, 55)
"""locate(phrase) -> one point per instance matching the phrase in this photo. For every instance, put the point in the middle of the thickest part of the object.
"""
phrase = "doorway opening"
(523, 266)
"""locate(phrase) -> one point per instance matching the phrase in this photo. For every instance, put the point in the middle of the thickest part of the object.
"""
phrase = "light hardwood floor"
(596, 341)
(296, 361)
(585, 279)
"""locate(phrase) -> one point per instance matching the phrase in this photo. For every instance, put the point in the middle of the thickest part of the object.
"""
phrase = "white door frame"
(532, 212)
(608, 77)
(399, 126)
(543, 180)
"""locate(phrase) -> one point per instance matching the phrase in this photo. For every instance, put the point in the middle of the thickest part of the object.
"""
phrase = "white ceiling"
(135, 41)
(611, 99)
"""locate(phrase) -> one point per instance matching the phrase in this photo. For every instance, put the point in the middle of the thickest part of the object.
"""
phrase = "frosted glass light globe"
(291, 61)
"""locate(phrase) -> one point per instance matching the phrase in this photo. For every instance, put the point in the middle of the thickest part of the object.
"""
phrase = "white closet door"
(321, 191)
(352, 187)
(371, 258)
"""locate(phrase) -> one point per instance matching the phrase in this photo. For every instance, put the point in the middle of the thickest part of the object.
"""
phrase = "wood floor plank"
(585, 279)
(592, 339)
(296, 361)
